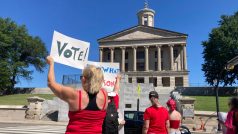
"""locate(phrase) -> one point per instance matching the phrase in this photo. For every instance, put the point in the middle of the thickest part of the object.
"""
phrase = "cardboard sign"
(110, 71)
(69, 51)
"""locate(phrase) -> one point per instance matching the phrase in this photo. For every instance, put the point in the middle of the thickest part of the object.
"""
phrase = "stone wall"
(129, 96)
(207, 91)
(12, 112)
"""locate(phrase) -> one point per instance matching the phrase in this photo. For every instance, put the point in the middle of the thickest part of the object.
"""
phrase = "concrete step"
(164, 90)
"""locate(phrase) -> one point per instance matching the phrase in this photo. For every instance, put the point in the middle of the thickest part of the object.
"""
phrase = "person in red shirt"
(174, 117)
(156, 117)
(231, 122)
(87, 107)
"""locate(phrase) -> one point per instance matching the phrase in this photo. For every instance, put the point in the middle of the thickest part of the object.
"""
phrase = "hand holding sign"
(49, 60)
(69, 51)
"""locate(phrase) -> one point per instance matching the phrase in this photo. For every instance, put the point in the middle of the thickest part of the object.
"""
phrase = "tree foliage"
(18, 51)
(221, 47)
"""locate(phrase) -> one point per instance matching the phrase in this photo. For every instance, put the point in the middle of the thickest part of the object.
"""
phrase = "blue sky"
(90, 20)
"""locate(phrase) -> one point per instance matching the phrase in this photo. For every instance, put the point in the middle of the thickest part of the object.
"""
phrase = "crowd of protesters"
(93, 110)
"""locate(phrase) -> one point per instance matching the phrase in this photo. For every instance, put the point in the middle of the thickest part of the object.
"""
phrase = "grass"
(208, 103)
(21, 99)
(202, 103)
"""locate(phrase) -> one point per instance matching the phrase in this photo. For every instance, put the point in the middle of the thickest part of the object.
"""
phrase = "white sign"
(69, 51)
(110, 71)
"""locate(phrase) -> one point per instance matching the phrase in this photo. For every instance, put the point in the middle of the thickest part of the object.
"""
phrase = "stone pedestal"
(187, 109)
(34, 108)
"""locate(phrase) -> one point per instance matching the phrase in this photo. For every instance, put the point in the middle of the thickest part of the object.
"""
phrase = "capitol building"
(148, 54)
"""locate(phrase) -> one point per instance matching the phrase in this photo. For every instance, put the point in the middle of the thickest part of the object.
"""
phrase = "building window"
(166, 81)
(162, 54)
(156, 54)
(126, 55)
(109, 56)
(178, 81)
(175, 53)
(146, 20)
(140, 80)
(153, 80)
(140, 66)
(162, 66)
(156, 65)
(140, 55)
(126, 66)
(130, 80)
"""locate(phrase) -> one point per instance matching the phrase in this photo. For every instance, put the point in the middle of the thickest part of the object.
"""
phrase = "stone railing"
(185, 105)
(12, 112)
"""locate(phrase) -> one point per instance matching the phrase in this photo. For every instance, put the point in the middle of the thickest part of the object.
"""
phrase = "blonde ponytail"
(94, 79)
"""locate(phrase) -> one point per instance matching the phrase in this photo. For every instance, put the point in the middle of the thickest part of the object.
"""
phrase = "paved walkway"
(52, 127)
(34, 129)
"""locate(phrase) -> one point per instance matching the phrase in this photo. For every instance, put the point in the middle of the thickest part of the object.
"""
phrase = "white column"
(134, 58)
(185, 81)
(112, 54)
(181, 57)
(101, 54)
(171, 57)
(158, 58)
(172, 81)
(159, 81)
(123, 59)
(185, 57)
(146, 58)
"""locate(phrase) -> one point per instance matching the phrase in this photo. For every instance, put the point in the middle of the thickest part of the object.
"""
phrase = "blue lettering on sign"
(110, 70)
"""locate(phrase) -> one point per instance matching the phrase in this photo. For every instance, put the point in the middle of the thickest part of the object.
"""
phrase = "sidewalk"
(36, 122)
(207, 117)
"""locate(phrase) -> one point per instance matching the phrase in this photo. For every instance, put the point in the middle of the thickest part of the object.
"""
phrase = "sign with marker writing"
(69, 51)
(110, 71)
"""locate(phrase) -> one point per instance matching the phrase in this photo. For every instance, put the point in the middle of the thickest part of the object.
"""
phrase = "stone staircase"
(164, 94)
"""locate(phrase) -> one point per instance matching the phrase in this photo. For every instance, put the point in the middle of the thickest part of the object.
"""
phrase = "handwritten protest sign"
(69, 51)
(110, 71)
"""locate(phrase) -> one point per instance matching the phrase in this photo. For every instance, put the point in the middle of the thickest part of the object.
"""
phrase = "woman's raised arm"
(67, 94)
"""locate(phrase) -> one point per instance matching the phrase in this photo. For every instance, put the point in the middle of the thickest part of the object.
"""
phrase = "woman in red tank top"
(87, 106)
(174, 117)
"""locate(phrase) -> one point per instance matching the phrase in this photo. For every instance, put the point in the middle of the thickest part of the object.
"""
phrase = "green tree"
(18, 51)
(221, 47)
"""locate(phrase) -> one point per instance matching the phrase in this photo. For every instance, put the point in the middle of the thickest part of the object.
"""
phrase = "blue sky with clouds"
(90, 20)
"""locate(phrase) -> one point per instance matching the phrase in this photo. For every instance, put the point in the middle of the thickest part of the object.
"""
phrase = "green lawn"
(21, 99)
(208, 103)
(202, 103)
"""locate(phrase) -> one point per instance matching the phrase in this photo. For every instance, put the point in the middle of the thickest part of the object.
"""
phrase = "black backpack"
(110, 123)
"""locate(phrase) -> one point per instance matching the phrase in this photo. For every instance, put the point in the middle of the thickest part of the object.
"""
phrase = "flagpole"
(138, 99)
(138, 104)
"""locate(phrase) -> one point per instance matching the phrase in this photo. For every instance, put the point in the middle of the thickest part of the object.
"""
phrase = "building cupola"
(146, 16)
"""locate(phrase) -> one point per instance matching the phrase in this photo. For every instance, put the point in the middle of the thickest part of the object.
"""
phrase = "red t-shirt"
(158, 117)
(116, 100)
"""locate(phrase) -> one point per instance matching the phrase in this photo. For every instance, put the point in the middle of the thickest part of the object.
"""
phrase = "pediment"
(141, 32)
(138, 35)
